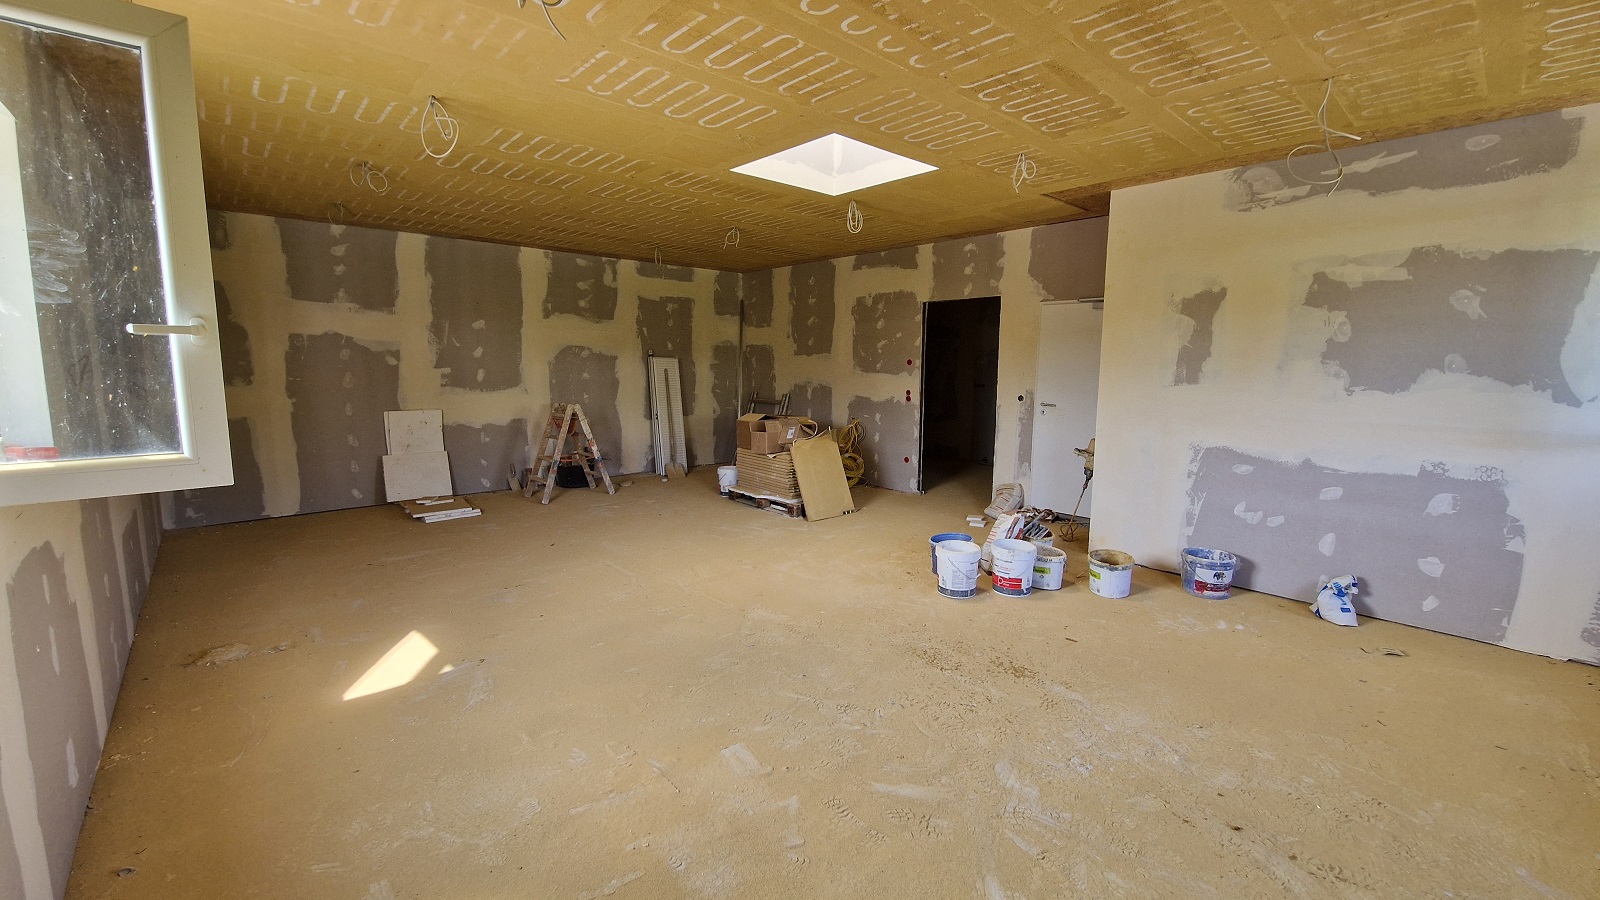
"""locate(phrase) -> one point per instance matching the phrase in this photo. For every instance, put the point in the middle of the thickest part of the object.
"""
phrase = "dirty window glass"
(80, 256)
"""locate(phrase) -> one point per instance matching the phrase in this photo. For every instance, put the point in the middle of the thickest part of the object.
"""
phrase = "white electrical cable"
(1326, 147)
(658, 256)
(732, 238)
(546, 6)
(438, 119)
(362, 174)
(853, 219)
(337, 212)
(1025, 170)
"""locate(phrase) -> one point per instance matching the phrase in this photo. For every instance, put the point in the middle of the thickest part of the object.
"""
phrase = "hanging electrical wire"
(441, 126)
(546, 6)
(658, 256)
(853, 219)
(1326, 146)
(363, 174)
(337, 213)
(731, 239)
(1024, 170)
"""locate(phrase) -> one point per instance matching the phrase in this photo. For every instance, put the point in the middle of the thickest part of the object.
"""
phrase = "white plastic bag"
(1333, 600)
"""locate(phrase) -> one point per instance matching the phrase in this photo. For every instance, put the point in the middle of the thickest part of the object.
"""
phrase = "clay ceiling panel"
(617, 136)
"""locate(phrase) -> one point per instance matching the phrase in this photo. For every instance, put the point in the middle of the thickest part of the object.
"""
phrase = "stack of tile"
(770, 475)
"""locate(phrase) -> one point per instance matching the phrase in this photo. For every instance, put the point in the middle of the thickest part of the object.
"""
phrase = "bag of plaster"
(1333, 600)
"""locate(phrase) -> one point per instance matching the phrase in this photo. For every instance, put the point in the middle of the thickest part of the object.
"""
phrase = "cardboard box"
(748, 426)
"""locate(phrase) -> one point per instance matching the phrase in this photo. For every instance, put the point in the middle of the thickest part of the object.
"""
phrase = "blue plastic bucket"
(933, 546)
(1208, 574)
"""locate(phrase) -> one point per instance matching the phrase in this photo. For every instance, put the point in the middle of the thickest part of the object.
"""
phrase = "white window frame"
(169, 95)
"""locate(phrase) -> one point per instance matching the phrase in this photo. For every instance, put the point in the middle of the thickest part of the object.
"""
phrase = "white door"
(1064, 403)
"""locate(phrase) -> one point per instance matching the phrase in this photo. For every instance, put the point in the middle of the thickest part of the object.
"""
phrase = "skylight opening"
(834, 164)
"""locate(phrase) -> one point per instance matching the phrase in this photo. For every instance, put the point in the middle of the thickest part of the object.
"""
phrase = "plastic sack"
(1333, 600)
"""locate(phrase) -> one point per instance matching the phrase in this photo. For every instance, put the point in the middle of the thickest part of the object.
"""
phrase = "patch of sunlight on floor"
(397, 667)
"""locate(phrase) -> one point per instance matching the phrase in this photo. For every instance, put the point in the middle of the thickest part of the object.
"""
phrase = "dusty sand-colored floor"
(664, 694)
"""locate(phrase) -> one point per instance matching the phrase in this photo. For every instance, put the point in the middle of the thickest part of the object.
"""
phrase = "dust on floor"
(662, 694)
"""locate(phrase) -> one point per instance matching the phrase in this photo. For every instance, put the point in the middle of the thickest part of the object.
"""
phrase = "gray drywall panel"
(888, 441)
(135, 567)
(1477, 154)
(758, 292)
(477, 313)
(234, 343)
(1025, 431)
(10, 863)
(888, 332)
(725, 395)
(1068, 260)
(726, 293)
(217, 226)
(106, 593)
(811, 308)
(57, 702)
(582, 286)
(339, 389)
(588, 377)
(340, 264)
(1200, 309)
(814, 401)
(666, 328)
(241, 501)
(968, 267)
(481, 456)
(898, 258)
(150, 527)
(760, 372)
(669, 273)
(1431, 550)
(1449, 312)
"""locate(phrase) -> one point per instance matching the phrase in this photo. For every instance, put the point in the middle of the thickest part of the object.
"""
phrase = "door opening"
(960, 371)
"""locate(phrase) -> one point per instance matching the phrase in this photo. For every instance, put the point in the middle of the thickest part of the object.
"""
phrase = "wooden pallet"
(794, 509)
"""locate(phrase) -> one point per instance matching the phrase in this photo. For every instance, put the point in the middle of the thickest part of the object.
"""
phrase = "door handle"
(1051, 405)
(196, 329)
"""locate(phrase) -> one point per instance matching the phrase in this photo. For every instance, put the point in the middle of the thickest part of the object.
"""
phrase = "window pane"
(74, 147)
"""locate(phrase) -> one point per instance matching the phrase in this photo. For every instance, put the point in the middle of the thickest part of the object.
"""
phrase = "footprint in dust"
(798, 860)
(620, 752)
(841, 813)
(918, 824)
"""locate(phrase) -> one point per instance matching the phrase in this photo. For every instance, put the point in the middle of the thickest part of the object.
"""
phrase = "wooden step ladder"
(566, 420)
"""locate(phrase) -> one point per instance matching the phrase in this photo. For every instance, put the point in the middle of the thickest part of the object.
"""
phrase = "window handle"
(196, 329)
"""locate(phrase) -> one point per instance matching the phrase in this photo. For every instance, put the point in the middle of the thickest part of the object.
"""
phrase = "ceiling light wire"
(658, 256)
(363, 174)
(853, 220)
(1025, 170)
(545, 6)
(337, 213)
(1328, 135)
(435, 118)
(732, 238)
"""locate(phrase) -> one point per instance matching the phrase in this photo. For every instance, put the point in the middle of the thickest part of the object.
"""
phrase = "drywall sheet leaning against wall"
(1400, 381)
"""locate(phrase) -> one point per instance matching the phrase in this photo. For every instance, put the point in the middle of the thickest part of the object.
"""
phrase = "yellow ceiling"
(618, 140)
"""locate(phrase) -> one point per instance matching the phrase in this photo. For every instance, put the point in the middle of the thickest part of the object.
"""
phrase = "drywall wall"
(1400, 381)
(76, 575)
(325, 327)
(844, 336)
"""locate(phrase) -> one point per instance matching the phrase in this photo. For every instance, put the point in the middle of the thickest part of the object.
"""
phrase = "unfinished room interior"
(803, 448)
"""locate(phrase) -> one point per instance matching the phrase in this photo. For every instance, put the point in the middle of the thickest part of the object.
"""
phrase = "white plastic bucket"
(1110, 573)
(1012, 562)
(936, 540)
(1208, 574)
(1049, 567)
(958, 568)
(1043, 542)
(727, 477)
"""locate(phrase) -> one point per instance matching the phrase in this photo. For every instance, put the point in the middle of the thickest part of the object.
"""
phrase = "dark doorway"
(960, 368)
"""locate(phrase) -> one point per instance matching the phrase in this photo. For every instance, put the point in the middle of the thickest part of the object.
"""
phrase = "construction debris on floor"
(416, 471)
(790, 464)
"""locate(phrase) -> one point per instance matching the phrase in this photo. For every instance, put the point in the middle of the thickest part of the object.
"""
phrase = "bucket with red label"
(1208, 574)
